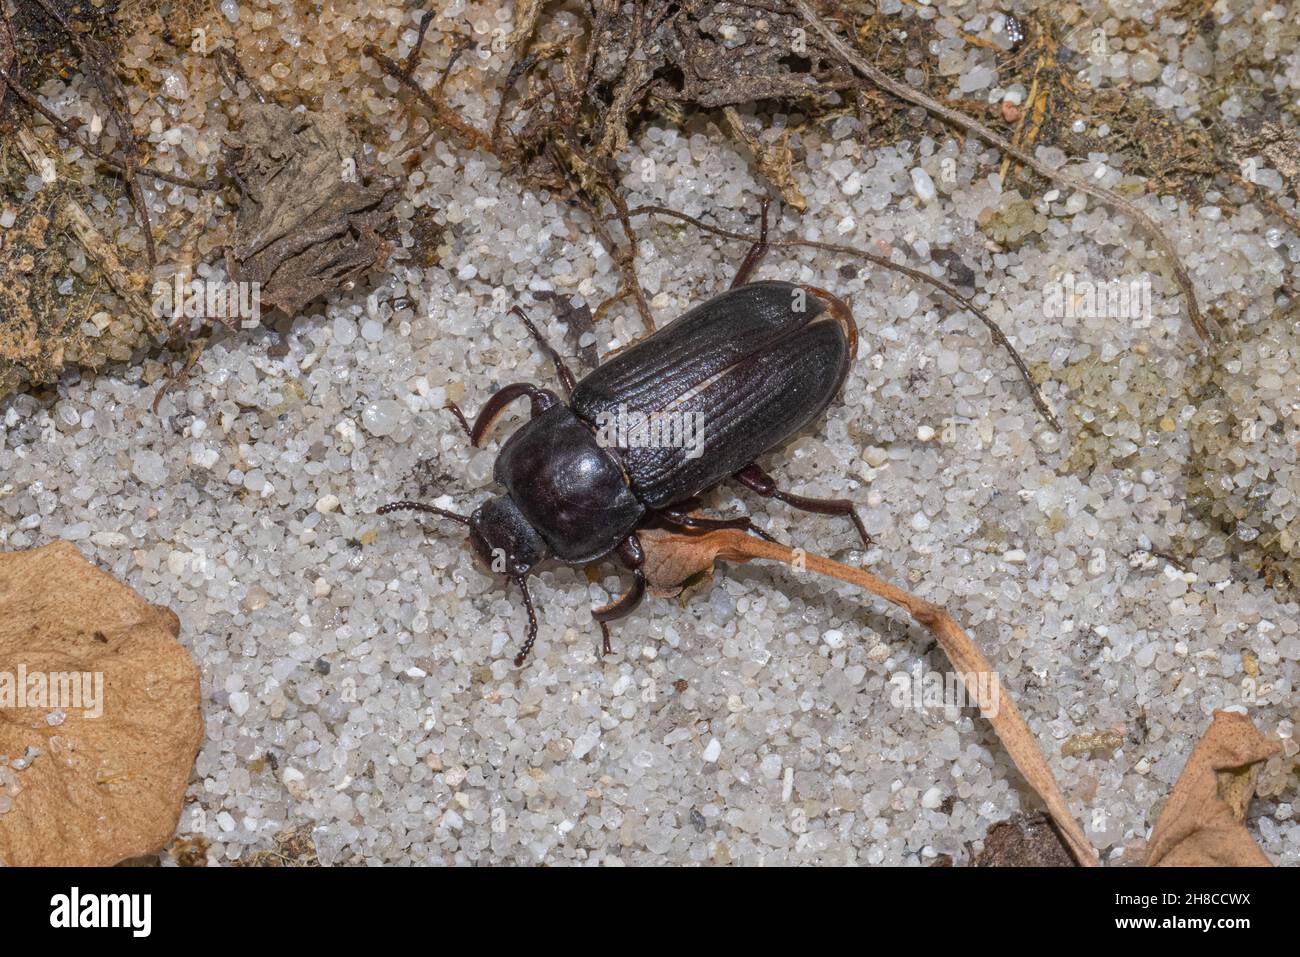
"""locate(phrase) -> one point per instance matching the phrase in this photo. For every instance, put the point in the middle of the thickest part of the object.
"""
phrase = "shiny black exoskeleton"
(724, 383)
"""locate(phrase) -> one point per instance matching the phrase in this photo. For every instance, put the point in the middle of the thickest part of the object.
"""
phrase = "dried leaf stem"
(982, 682)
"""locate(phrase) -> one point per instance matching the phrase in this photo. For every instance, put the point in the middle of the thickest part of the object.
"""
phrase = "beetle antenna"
(405, 506)
(532, 623)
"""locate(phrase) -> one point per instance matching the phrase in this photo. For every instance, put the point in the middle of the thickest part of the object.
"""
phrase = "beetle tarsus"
(454, 409)
(756, 251)
(755, 479)
(632, 556)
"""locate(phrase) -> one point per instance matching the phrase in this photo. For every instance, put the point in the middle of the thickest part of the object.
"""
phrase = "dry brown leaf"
(1201, 826)
(89, 789)
(673, 557)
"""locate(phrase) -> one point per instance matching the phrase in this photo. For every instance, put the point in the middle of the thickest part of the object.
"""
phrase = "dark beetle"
(754, 365)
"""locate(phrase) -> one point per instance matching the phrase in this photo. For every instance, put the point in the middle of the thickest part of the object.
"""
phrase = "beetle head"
(504, 539)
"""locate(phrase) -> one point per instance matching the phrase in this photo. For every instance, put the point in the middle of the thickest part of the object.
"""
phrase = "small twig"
(630, 285)
(227, 62)
(7, 53)
(627, 259)
(434, 103)
(1035, 393)
(905, 92)
(1020, 136)
(181, 377)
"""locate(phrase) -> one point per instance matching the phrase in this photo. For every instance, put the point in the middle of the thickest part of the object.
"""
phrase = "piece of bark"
(7, 55)
(77, 787)
(674, 558)
(1201, 825)
(309, 219)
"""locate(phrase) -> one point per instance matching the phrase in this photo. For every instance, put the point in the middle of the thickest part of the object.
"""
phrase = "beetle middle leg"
(755, 479)
(755, 254)
(684, 519)
(632, 556)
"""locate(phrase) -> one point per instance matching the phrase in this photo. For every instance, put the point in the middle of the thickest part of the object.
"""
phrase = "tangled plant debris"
(310, 215)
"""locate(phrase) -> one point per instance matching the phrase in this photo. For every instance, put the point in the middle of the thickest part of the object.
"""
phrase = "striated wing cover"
(731, 379)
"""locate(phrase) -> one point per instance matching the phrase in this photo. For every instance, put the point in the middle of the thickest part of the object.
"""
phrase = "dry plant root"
(1035, 393)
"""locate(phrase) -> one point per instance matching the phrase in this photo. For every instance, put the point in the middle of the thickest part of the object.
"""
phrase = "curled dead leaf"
(1201, 826)
(309, 220)
(99, 714)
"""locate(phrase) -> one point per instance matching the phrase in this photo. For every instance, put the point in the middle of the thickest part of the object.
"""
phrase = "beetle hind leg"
(755, 479)
(756, 252)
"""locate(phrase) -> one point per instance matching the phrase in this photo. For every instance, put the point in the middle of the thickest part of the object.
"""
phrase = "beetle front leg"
(632, 556)
(755, 479)
(755, 254)
(538, 399)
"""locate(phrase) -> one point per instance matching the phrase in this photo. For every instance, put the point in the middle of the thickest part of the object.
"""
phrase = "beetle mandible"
(755, 365)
